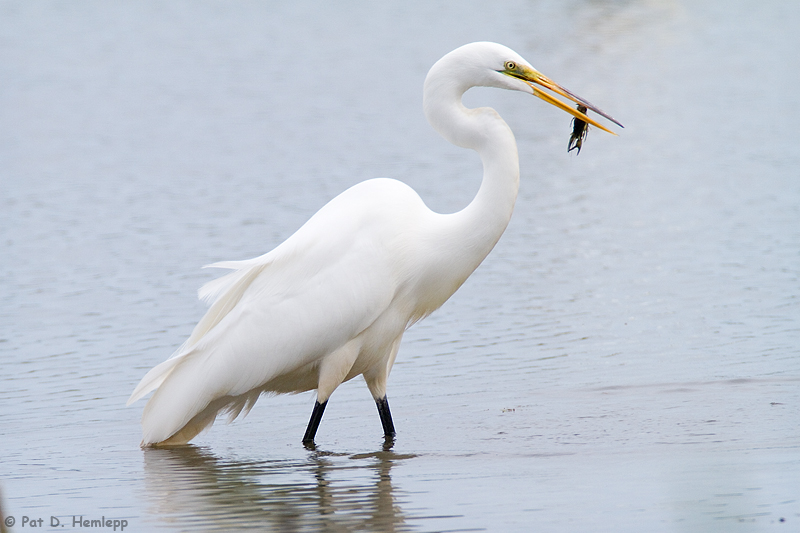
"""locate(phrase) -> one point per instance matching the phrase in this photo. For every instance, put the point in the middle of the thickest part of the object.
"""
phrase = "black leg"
(313, 424)
(386, 417)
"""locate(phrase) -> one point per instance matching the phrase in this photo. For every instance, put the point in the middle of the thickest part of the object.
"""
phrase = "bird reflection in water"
(188, 486)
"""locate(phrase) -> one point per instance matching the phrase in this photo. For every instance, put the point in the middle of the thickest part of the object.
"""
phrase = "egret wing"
(280, 314)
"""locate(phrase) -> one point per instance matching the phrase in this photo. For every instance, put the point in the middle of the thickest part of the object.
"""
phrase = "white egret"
(333, 301)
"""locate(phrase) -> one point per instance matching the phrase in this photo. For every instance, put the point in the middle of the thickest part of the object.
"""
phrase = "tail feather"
(241, 405)
(155, 377)
(215, 288)
(161, 420)
(224, 293)
(202, 421)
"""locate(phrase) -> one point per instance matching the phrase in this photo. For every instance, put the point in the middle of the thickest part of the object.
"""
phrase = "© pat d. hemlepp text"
(74, 521)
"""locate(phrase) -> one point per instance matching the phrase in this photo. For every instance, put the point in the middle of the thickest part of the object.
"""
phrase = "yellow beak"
(532, 77)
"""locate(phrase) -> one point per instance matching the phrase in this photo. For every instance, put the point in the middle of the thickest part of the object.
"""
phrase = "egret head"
(494, 65)
(531, 77)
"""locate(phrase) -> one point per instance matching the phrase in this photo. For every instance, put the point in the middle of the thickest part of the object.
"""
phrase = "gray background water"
(627, 359)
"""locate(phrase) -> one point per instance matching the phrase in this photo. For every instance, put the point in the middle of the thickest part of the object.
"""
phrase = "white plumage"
(332, 301)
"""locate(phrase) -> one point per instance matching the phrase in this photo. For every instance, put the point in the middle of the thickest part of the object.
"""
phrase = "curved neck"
(473, 231)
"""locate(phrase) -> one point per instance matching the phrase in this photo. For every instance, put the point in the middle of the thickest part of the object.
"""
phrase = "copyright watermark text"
(74, 521)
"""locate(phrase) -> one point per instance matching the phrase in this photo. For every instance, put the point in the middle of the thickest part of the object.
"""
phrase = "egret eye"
(510, 65)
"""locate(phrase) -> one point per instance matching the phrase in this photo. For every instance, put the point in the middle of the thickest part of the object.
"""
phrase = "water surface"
(625, 360)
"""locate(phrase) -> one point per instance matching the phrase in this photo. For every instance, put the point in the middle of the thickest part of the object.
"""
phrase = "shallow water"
(625, 360)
